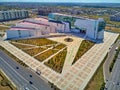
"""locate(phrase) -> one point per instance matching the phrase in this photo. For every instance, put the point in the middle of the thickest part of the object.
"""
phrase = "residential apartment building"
(13, 14)
(115, 17)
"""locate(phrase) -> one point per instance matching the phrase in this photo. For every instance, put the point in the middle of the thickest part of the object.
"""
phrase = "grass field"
(36, 41)
(84, 47)
(57, 62)
(43, 43)
(20, 46)
(2, 28)
(113, 29)
(45, 55)
(5, 84)
(34, 51)
(60, 46)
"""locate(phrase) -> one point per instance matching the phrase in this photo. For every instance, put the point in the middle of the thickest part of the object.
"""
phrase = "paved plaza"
(72, 48)
(79, 74)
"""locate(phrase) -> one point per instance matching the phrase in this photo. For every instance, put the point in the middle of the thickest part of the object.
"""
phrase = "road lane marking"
(16, 72)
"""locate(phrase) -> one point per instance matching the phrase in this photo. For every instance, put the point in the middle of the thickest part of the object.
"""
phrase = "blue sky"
(84, 1)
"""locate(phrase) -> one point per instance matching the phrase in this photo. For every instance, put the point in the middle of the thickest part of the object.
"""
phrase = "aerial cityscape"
(59, 45)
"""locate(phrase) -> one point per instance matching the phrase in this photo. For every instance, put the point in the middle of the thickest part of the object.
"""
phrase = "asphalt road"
(108, 61)
(114, 81)
(21, 76)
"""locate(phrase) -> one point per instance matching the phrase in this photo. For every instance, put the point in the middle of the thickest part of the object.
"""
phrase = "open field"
(36, 41)
(57, 62)
(5, 84)
(113, 29)
(84, 47)
(3, 28)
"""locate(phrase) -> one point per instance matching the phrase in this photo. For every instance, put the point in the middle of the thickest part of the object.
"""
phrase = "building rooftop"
(117, 14)
(36, 22)
(74, 16)
(21, 28)
(12, 11)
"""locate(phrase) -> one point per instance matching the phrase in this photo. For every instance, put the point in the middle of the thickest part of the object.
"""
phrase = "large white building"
(37, 27)
(13, 14)
(93, 28)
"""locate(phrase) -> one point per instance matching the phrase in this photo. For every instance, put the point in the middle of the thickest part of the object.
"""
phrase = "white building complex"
(13, 14)
(37, 27)
(58, 23)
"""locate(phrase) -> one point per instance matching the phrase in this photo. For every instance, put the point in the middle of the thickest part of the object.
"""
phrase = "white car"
(26, 88)
(116, 48)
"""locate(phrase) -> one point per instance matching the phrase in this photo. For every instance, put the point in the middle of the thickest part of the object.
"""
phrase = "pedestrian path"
(71, 53)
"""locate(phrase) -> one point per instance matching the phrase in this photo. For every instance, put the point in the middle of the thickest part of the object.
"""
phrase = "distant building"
(92, 28)
(44, 11)
(115, 17)
(13, 14)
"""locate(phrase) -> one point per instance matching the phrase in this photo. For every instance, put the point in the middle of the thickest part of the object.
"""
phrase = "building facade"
(36, 28)
(12, 15)
(92, 28)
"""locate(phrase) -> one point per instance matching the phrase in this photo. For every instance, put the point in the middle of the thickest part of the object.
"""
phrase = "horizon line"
(57, 2)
